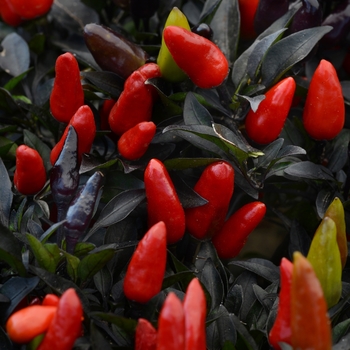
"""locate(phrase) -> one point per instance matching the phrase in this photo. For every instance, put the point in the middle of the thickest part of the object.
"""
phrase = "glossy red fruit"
(232, 237)
(135, 103)
(67, 94)
(195, 55)
(145, 273)
(145, 335)
(8, 13)
(163, 203)
(265, 125)
(216, 185)
(324, 110)
(134, 143)
(30, 9)
(247, 10)
(30, 174)
(281, 330)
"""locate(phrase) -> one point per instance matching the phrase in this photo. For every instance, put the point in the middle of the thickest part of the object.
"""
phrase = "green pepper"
(170, 70)
(324, 257)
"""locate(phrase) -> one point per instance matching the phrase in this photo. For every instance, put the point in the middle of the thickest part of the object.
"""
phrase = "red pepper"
(105, 109)
(216, 185)
(195, 55)
(163, 204)
(310, 323)
(25, 324)
(65, 327)
(247, 10)
(30, 9)
(134, 143)
(233, 235)
(171, 324)
(145, 335)
(324, 110)
(145, 272)
(67, 94)
(135, 103)
(195, 309)
(30, 174)
(264, 125)
(50, 300)
(8, 13)
(84, 124)
(281, 330)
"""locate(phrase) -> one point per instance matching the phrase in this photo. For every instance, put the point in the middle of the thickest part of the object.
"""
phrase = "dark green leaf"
(5, 342)
(208, 10)
(308, 170)
(195, 113)
(188, 163)
(6, 195)
(184, 277)
(289, 51)
(12, 83)
(127, 324)
(98, 340)
(244, 339)
(343, 344)
(103, 282)
(234, 299)
(340, 330)
(339, 155)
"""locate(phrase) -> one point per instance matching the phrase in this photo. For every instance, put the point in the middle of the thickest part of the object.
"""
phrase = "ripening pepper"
(169, 69)
(8, 13)
(163, 203)
(335, 211)
(195, 310)
(216, 185)
(195, 55)
(65, 327)
(84, 124)
(50, 300)
(171, 324)
(265, 125)
(112, 51)
(135, 103)
(324, 110)
(267, 12)
(281, 330)
(30, 9)
(324, 257)
(134, 143)
(145, 335)
(309, 318)
(230, 240)
(30, 174)
(247, 10)
(67, 94)
(80, 211)
(145, 272)
(25, 324)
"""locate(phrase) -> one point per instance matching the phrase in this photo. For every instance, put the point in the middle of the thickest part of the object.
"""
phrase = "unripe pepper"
(30, 174)
(145, 272)
(135, 103)
(281, 330)
(203, 29)
(324, 257)
(171, 324)
(80, 211)
(84, 124)
(335, 211)
(8, 13)
(195, 55)
(134, 143)
(112, 51)
(265, 125)
(163, 203)
(145, 335)
(247, 10)
(216, 185)
(67, 94)
(324, 110)
(232, 237)
(195, 309)
(30, 9)
(25, 324)
(65, 327)
(170, 70)
(309, 318)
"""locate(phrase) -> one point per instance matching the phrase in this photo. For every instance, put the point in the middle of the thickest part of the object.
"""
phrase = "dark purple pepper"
(204, 30)
(339, 19)
(308, 16)
(112, 51)
(80, 211)
(64, 177)
(269, 11)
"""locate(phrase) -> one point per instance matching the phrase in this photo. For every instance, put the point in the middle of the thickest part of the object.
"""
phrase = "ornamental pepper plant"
(166, 161)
